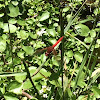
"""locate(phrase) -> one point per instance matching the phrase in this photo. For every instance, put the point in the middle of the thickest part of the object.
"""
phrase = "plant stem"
(62, 48)
(29, 76)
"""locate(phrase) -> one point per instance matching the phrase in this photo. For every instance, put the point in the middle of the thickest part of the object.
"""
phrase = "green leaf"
(52, 41)
(39, 8)
(22, 34)
(12, 28)
(21, 22)
(2, 14)
(2, 45)
(88, 39)
(16, 60)
(98, 41)
(12, 21)
(20, 78)
(45, 15)
(29, 21)
(15, 87)
(10, 97)
(93, 33)
(33, 36)
(28, 49)
(51, 32)
(54, 76)
(38, 76)
(14, 11)
(96, 91)
(1, 24)
(15, 3)
(82, 29)
(21, 54)
(70, 53)
(78, 56)
(81, 82)
(81, 97)
(5, 36)
(66, 9)
(98, 24)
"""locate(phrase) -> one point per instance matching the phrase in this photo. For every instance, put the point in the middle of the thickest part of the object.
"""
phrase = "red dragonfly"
(50, 48)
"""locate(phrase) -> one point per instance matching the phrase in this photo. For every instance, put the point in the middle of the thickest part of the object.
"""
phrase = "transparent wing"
(40, 51)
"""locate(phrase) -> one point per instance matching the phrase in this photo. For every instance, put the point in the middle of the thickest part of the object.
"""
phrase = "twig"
(39, 68)
(27, 95)
(29, 76)
(78, 40)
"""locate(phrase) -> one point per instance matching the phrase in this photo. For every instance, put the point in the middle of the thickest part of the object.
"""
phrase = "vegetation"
(29, 25)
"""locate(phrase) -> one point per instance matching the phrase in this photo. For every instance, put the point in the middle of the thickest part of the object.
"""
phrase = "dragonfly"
(50, 49)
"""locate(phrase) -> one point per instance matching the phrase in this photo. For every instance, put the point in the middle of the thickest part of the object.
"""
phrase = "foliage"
(26, 26)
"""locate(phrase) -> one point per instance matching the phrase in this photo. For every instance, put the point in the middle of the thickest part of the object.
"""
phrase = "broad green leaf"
(5, 37)
(52, 41)
(16, 60)
(54, 76)
(21, 22)
(29, 21)
(98, 24)
(51, 32)
(31, 11)
(97, 71)
(12, 21)
(98, 41)
(1, 24)
(15, 3)
(28, 49)
(88, 39)
(2, 45)
(45, 15)
(43, 71)
(10, 97)
(12, 28)
(1, 63)
(54, 60)
(5, 27)
(56, 19)
(66, 9)
(81, 82)
(33, 36)
(20, 54)
(2, 14)
(70, 53)
(81, 97)
(14, 11)
(93, 33)
(20, 78)
(82, 29)
(96, 91)
(15, 87)
(39, 8)
(78, 56)
(22, 34)
(27, 84)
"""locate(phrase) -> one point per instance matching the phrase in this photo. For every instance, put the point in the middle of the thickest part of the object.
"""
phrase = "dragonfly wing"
(40, 51)
(54, 52)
